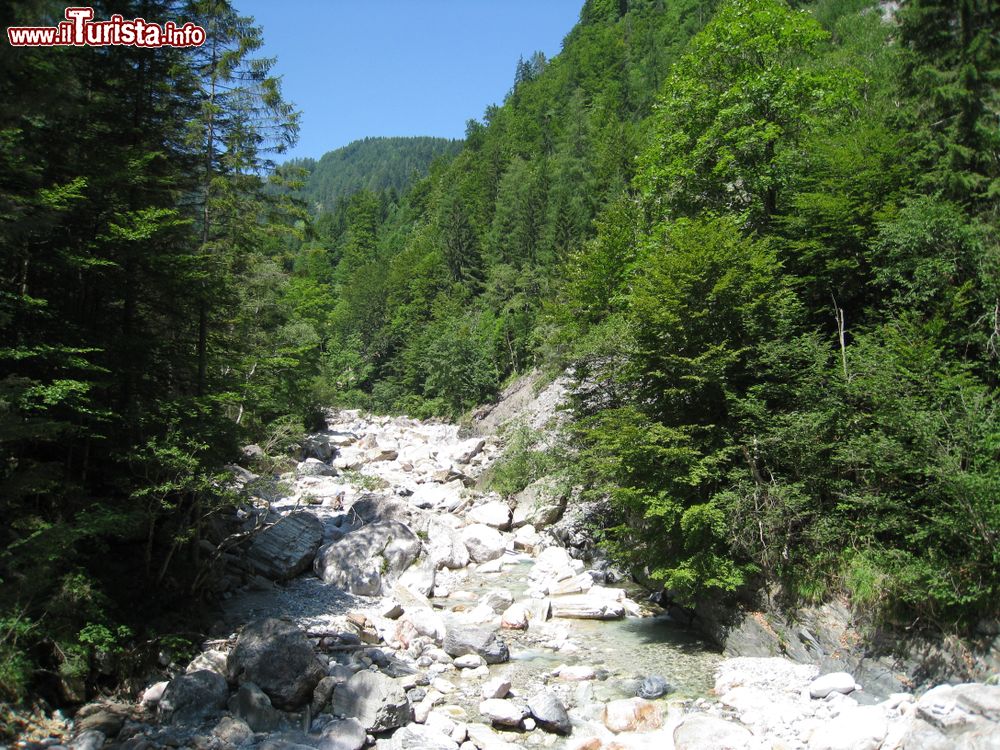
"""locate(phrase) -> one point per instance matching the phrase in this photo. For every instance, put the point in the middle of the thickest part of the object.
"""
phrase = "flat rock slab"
(287, 548)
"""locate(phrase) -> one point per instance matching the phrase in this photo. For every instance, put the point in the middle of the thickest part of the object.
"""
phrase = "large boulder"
(276, 656)
(487, 643)
(494, 513)
(313, 467)
(375, 700)
(834, 682)
(191, 697)
(445, 546)
(483, 542)
(319, 446)
(287, 548)
(540, 504)
(367, 561)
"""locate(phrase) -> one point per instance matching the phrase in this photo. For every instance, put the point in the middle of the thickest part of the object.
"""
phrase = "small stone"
(469, 661)
(498, 687)
(577, 673)
(653, 687)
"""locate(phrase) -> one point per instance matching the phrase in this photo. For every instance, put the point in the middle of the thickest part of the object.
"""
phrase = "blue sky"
(359, 68)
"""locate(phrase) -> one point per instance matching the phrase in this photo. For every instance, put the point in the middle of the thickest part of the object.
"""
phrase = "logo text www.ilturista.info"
(80, 30)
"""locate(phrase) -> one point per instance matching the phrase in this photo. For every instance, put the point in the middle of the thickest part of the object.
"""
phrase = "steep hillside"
(370, 164)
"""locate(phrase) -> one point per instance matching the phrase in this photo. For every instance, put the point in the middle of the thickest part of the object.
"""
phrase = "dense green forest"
(763, 237)
(373, 164)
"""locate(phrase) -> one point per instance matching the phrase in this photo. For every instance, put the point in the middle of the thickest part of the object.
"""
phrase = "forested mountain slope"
(763, 236)
(373, 164)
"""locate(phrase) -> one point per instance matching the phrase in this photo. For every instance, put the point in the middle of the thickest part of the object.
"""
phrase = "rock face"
(368, 560)
(375, 700)
(540, 504)
(277, 657)
(287, 548)
(550, 713)
(192, 697)
(459, 641)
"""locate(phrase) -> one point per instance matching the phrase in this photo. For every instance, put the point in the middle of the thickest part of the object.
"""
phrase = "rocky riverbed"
(386, 601)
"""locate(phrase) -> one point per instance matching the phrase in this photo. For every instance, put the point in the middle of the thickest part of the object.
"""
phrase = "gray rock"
(494, 513)
(420, 737)
(232, 731)
(367, 561)
(483, 542)
(89, 740)
(277, 656)
(103, 720)
(497, 599)
(502, 712)
(979, 699)
(710, 733)
(460, 640)
(322, 694)
(445, 546)
(192, 697)
(540, 504)
(835, 682)
(342, 734)
(251, 704)
(319, 446)
(550, 713)
(653, 687)
(313, 467)
(375, 700)
(587, 607)
(287, 548)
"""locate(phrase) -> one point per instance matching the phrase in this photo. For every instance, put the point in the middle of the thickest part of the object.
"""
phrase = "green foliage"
(734, 107)
(525, 458)
(371, 164)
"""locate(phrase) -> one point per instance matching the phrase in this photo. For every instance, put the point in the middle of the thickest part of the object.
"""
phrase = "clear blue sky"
(359, 68)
